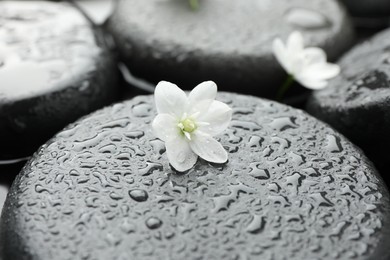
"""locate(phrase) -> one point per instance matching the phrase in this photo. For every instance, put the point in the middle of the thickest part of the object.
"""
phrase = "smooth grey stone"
(357, 102)
(227, 41)
(292, 188)
(54, 68)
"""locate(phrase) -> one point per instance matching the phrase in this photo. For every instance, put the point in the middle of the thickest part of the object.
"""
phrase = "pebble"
(54, 68)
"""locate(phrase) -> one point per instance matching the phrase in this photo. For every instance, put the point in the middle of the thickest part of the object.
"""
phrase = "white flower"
(187, 124)
(307, 65)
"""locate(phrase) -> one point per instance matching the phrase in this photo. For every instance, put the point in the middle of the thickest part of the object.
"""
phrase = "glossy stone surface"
(54, 67)
(103, 189)
(227, 41)
(357, 102)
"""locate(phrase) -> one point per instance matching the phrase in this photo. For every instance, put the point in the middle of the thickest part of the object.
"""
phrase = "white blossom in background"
(187, 124)
(3, 53)
(308, 66)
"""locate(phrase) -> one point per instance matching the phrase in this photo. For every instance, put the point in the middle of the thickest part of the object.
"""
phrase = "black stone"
(368, 8)
(228, 41)
(55, 68)
(357, 102)
(292, 188)
(369, 15)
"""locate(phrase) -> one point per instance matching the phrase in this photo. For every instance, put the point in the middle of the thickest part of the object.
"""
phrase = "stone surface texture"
(227, 41)
(292, 188)
(357, 102)
(54, 67)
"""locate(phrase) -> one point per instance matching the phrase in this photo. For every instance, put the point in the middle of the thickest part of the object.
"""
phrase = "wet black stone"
(369, 14)
(357, 102)
(368, 8)
(293, 188)
(226, 41)
(55, 67)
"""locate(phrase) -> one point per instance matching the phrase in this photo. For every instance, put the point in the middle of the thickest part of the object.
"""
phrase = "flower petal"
(165, 127)
(312, 84)
(180, 155)
(314, 55)
(295, 43)
(208, 148)
(280, 54)
(323, 71)
(201, 97)
(217, 118)
(319, 72)
(170, 99)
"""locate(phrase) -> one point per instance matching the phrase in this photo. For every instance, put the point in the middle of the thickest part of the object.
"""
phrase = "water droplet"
(246, 125)
(321, 200)
(115, 196)
(242, 111)
(273, 186)
(122, 122)
(142, 109)
(222, 202)
(138, 195)
(153, 223)
(150, 168)
(80, 145)
(283, 123)
(135, 134)
(256, 225)
(307, 19)
(258, 173)
(158, 146)
(297, 159)
(255, 141)
(39, 188)
(333, 144)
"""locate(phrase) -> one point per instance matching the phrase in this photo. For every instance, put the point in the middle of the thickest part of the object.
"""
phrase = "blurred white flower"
(3, 52)
(187, 124)
(308, 66)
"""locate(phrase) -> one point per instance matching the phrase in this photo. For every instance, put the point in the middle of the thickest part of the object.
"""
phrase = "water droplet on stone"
(141, 110)
(256, 225)
(257, 172)
(255, 141)
(138, 195)
(153, 223)
(246, 125)
(333, 144)
(150, 168)
(283, 123)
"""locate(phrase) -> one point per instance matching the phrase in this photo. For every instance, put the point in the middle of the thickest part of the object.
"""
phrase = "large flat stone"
(54, 67)
(227, 41)
(292, 188)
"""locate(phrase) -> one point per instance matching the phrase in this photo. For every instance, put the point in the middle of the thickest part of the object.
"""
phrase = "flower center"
(187, 126)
